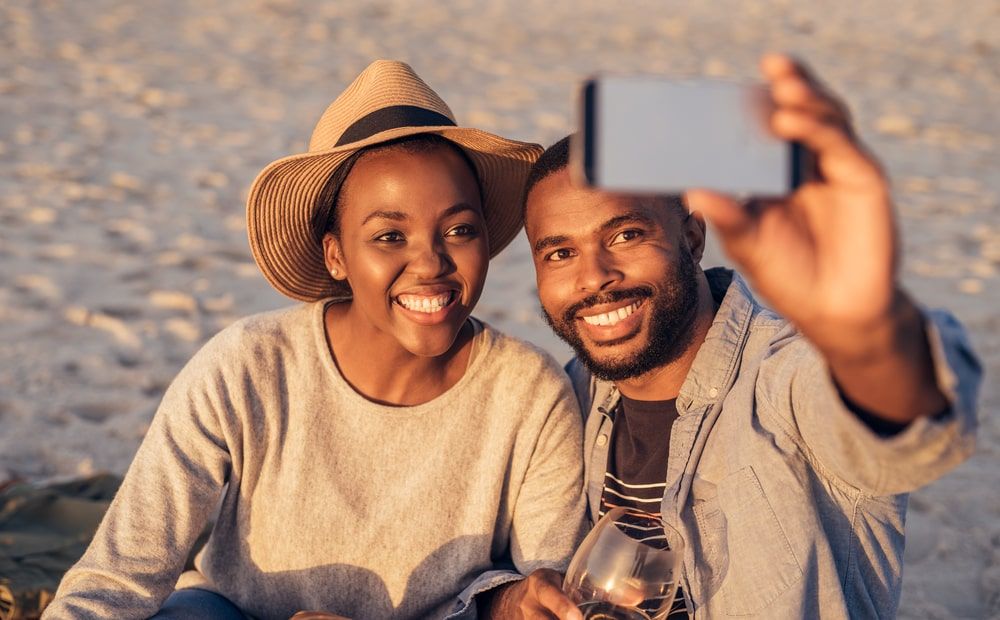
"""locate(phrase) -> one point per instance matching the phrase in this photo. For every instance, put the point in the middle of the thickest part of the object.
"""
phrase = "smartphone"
(650, 135)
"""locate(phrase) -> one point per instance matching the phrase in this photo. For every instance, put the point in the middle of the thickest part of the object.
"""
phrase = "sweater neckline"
(481, 343)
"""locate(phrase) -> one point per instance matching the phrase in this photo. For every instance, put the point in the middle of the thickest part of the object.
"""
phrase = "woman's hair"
(326, 214)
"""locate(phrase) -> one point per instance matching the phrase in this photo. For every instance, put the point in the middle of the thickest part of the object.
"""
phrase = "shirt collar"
(715, 364)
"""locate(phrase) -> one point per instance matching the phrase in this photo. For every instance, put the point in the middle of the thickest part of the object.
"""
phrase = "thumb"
(726, 214)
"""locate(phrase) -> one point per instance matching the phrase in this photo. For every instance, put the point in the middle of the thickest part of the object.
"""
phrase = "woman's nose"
(431, 260)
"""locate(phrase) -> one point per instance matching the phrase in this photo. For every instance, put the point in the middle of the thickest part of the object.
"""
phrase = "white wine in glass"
(626, 568)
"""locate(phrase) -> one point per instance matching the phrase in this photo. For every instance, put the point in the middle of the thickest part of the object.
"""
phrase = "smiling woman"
(373, 452)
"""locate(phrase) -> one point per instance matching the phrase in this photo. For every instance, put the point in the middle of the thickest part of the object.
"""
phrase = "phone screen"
(652, 135)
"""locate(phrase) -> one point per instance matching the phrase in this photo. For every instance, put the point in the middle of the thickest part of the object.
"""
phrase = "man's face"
(616, 278)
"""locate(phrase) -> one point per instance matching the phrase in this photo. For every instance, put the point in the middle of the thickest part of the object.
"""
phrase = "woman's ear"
(333, 257)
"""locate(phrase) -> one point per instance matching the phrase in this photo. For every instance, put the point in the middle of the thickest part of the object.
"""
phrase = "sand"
(129, 133)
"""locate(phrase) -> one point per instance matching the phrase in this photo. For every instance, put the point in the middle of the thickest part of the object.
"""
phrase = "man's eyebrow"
(632, 217)
(550, 241)
(396, 216)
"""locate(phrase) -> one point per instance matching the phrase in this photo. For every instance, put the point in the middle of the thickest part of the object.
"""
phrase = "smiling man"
(781, 443)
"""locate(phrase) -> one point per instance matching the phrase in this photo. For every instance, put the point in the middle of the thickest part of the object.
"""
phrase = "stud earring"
(334, 272)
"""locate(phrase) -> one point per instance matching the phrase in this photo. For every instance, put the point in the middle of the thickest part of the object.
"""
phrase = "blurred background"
(130, 132)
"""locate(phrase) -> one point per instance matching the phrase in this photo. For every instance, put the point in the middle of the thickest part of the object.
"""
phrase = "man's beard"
(672, 314)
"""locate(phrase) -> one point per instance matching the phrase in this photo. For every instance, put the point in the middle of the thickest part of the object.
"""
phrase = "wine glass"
(626, 568)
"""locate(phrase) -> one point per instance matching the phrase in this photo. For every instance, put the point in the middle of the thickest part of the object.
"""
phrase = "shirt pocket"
(744, 534)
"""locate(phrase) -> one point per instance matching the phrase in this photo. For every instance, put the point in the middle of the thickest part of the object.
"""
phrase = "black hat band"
(392, 118)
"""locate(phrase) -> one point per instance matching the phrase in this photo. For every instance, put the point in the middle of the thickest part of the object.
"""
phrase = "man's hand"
(317, 615)
(538, 596)
(825, 257)
(826, 254)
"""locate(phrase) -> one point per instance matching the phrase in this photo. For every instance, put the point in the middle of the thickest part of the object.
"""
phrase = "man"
(782, 449)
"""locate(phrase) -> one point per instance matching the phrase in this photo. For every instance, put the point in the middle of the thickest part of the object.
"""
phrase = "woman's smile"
(427, 307)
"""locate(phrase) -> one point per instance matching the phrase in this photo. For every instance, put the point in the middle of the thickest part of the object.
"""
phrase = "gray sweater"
(332, 502)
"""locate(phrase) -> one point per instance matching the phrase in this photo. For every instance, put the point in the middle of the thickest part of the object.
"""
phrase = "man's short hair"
(556, 158)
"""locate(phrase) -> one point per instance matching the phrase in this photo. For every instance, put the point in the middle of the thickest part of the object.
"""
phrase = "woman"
(378, 452)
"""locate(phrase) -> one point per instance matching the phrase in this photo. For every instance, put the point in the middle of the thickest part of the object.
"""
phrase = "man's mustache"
(610, 297)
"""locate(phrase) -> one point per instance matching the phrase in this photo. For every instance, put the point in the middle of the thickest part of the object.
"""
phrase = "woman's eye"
(626, 235)
(558, 255)
(390, 237)
(462, 230)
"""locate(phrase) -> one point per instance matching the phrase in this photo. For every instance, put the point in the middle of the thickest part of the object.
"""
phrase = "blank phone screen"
(650, 135)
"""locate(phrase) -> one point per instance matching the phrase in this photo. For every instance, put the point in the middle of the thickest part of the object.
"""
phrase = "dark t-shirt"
(637, 463)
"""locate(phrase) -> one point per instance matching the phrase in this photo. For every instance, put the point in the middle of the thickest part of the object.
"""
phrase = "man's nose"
(598, 271)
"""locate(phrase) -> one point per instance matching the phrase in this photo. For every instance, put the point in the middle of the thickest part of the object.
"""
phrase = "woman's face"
(412, 245)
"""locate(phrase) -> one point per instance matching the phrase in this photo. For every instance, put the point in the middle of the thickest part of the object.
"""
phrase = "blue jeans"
(195, 604)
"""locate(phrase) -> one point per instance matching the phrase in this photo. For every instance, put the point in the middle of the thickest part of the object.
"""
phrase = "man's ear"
(694, 234)
(333, 257)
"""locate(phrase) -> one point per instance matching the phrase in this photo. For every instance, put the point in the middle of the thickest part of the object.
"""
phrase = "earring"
(334, 272)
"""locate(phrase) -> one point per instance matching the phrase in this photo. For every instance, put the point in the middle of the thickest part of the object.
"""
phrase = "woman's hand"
(539, 596)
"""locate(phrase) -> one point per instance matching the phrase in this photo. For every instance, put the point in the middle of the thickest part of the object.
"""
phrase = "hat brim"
(283, 198)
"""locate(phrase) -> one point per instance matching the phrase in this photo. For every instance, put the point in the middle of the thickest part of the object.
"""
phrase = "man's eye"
(626, 235)
(390, 237)
(462, 230)
(558, 255)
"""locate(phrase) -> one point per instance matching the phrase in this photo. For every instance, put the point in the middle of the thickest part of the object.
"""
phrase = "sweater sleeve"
(549, 514)
(169, 492)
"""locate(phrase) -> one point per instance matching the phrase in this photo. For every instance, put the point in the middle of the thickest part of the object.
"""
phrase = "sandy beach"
(130, 132)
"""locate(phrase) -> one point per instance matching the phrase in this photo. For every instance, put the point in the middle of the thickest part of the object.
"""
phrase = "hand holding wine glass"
(626, 569)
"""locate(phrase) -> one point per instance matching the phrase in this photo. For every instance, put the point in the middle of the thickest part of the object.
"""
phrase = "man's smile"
(612, 324)
(610, 316)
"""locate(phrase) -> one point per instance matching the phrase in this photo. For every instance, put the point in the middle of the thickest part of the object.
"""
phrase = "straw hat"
(387, 101)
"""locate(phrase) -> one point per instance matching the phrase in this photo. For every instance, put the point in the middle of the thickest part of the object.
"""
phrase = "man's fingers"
(839, 156)
(738, 224)
(793, 85)
(779, 66)
(722, 211)
(797, 94)
(819, 135)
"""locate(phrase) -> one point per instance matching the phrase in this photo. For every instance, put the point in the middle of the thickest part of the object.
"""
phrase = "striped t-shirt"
(637, 465)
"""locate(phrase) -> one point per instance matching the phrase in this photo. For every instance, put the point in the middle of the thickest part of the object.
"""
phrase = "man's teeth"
(424, 303)
(613, 316)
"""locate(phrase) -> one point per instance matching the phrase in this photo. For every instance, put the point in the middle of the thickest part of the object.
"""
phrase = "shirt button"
(713, 392)
(602, 440)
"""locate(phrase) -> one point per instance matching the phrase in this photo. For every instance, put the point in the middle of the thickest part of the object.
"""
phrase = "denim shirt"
(789, 505)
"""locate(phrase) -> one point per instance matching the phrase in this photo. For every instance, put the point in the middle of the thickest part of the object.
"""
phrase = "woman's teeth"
(425, 303)
(613, 316)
